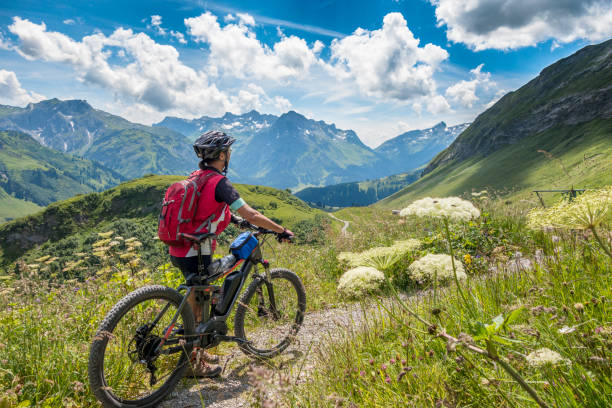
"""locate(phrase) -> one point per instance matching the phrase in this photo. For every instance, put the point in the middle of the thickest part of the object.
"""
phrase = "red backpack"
(179, 208)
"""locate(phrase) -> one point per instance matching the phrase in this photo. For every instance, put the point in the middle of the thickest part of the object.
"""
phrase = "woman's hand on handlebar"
(285, 236)
(242, 223)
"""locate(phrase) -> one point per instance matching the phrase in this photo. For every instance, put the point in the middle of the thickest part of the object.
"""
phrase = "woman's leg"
(189, 266)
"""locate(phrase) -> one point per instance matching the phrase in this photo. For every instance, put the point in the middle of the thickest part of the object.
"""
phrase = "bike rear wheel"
(270, 313)
(124, 368)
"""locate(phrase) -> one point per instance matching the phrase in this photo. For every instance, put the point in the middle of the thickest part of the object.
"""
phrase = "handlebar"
(263, 231)
(242, 223)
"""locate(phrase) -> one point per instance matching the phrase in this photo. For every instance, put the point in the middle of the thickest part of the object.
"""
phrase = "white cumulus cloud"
(511, 24)
(235, 50)
(4, 43)
(155, 76)
(156, 22)
(180, 37)
(282, 104)
(12, 93)
(389, 63)
(464, 92)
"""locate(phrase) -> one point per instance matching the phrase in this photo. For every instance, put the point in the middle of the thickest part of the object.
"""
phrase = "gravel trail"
(233, 389)
(346, 223)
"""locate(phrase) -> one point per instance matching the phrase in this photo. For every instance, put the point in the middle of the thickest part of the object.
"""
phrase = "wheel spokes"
(270, 327)
(131, 361)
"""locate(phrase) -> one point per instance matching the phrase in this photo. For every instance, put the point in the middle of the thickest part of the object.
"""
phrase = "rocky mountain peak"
(69, 107)
(440, 126)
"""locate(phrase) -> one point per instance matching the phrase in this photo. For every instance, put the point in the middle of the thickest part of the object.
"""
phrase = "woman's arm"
(256, 218)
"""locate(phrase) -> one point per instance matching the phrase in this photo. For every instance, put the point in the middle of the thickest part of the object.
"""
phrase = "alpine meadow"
(420, 196)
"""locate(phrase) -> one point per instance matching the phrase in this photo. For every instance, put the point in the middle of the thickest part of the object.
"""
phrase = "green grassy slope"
(573, 90)
(11, 207)
(584, 150)
(138, 201)
(35, 173)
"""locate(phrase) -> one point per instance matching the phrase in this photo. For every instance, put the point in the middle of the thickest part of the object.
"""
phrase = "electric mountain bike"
(143, 346)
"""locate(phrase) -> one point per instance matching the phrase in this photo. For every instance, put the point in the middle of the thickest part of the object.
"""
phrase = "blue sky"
(378, 67)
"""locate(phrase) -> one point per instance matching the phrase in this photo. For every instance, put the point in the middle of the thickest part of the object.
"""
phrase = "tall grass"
(46, 327)
(554, 294)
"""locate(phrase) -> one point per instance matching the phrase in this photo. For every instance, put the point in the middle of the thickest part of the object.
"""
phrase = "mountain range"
(32, 175)
(286, 151)
(555, 132)
(75, 127)
(419, 146)
(293, 151)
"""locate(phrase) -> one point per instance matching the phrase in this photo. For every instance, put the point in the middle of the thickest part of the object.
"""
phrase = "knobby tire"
(244, 305)
(98, 348)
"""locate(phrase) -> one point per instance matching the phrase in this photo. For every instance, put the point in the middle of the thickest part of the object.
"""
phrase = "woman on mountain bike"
(218, 199)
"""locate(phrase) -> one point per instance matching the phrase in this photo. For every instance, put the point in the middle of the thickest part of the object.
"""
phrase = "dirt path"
(346, 223)
(233, 389)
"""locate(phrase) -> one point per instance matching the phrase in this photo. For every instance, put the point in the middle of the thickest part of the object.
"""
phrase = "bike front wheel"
(270, 313)
(137, 356)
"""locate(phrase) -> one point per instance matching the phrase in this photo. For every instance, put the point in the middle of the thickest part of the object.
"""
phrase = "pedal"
(239, 340)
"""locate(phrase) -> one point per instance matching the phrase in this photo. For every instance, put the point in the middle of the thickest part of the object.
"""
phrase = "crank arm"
(178, 349)
(239, 340)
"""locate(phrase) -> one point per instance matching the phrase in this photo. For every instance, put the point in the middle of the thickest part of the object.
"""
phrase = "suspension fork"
(268, 281)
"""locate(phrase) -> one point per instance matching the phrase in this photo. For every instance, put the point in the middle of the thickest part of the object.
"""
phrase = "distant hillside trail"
(233, 388)
(346, 223)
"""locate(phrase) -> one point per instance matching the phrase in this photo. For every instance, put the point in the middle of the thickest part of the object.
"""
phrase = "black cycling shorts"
(189, 265)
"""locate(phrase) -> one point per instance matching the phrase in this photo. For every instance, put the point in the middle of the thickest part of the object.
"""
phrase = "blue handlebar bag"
(243, 245)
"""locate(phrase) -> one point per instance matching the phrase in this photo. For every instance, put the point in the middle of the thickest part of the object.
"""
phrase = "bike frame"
(208, 336)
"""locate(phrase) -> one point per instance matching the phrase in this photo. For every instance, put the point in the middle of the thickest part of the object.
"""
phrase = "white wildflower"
(452, 208)
(425, 269)
(544, 356)
(567, 329)
(113, 243)
(71, 265)
(101, 243)
(106, 234)
(588, 210)
(361, 280)
(407, 245)
(380, 257)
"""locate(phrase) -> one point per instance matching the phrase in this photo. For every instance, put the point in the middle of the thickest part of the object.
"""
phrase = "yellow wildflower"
(467, 259)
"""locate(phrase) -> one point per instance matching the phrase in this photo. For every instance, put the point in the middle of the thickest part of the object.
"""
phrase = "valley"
(469, 294)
